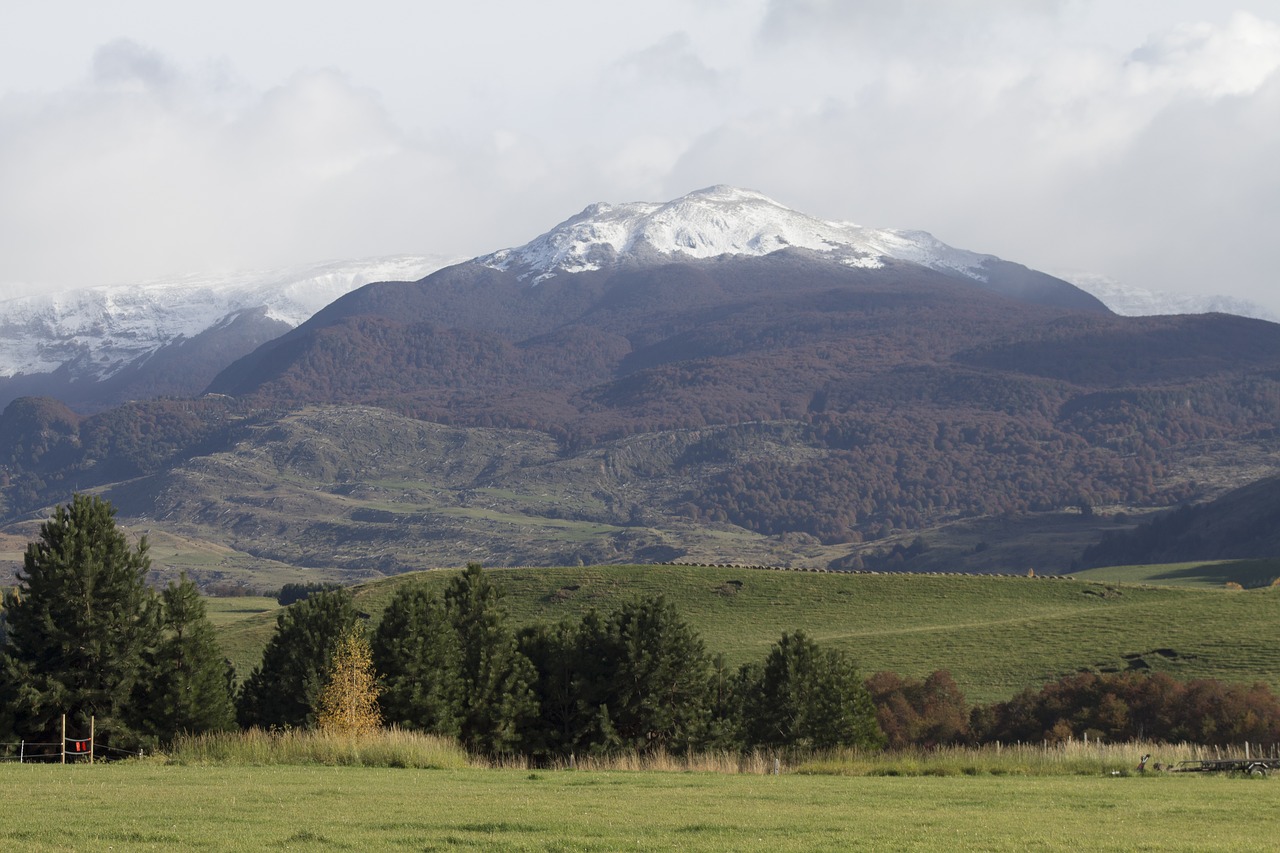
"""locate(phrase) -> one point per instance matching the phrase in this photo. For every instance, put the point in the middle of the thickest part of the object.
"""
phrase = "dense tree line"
(83, 636)
(1125, 706)
(1244, 523)
(635, 679)
(87, 638)
(1103, 706)
(291, 593)
(639, 679)
(927, 713)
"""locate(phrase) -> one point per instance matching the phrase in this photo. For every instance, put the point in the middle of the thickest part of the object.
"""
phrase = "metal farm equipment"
(1250, 766)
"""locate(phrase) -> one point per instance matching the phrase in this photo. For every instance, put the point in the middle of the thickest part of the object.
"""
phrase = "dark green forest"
(85, 637)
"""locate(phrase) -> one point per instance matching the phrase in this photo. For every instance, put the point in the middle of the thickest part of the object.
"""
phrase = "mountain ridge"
(100, 345)
(96, 345)
(721, 221)
(778, 406)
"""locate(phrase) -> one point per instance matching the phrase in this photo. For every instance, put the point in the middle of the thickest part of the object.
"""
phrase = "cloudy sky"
(1136, 139)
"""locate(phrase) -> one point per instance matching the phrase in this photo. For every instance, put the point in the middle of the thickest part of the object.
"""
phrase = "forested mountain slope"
(713, 378)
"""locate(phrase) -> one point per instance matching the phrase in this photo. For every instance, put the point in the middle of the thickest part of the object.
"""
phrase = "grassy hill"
(997, 635)
(1250, 574)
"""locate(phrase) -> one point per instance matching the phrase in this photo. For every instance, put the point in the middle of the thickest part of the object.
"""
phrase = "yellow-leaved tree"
(348, 703)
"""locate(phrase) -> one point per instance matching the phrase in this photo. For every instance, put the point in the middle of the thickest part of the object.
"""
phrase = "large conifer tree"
(570, 684)
(185, 688)
(810, 697)
(79, 624)
(636, 679)
(656, 685)
(283, 691)
(497, 679)
(417, 654)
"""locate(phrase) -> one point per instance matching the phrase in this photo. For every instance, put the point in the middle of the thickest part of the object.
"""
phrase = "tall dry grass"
(657, 761)
(1070, 758)
(398, 748)
(382, 748)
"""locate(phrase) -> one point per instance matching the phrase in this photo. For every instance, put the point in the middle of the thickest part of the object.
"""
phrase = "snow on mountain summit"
(715, 221)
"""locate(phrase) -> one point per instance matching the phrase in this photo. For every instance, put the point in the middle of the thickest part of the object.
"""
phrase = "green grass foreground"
(153, 806)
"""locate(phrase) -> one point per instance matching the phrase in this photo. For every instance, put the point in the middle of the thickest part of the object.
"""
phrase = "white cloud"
(1210, 61)
(1027, 138)
(671, 62)
(1131, 139)
(128, 66)
(143, 172)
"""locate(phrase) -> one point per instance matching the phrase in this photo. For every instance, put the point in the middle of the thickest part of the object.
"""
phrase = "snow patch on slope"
(99, 330)
(718, 221)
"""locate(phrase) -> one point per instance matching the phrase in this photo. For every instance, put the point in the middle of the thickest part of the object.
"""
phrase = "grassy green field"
(997, 635)
(140, 806)
(1211, 574)
(223, 612)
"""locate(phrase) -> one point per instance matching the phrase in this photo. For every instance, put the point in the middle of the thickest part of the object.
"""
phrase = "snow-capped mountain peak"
(102, 329)
(715, 221)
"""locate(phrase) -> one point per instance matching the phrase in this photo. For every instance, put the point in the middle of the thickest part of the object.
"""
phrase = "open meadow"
(154, 806)
(997, 635)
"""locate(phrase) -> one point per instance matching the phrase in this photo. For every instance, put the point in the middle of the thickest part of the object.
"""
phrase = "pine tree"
(497, 680)
(656, 687)
(726, 692)
(184, 689)
(637, 679)
(417, 653)
(561, 727)
(348, 702)
(8, 689)
(810, 697)
(282, 691)
(78, 625)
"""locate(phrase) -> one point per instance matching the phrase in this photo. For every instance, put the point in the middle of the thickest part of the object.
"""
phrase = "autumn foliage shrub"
(1134, 706)
(927, 713)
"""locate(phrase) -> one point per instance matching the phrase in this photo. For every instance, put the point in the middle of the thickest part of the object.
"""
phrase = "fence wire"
(17, 751)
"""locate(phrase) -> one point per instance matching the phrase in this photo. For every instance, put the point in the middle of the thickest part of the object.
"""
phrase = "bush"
(1130, 706)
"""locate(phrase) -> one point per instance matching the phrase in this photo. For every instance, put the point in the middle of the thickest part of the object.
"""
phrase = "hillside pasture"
(997, 635)
(1250, 574)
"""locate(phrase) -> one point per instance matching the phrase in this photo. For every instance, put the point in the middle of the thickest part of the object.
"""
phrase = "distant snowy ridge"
(723, 220)
(102, 329)
(1139, 302)
(717, 221)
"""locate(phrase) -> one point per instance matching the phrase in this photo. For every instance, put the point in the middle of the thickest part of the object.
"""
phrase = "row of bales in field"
(1030, 573)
